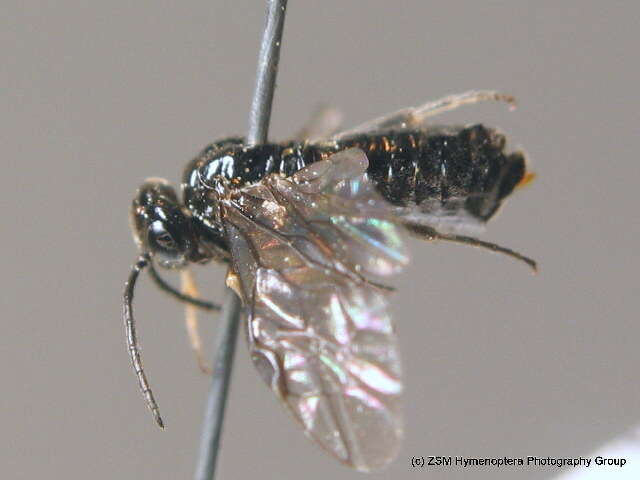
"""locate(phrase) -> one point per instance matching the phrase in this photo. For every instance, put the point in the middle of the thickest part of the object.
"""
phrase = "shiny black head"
(166, 234)
(160, 226)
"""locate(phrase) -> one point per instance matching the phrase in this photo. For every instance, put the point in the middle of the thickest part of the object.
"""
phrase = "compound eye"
(166, 241)
(161, 240)
(167, 250)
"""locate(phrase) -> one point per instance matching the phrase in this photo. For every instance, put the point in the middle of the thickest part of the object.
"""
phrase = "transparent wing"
(324, 122)
(319, 333)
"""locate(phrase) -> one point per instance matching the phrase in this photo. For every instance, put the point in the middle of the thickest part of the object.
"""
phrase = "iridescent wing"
(319, 332)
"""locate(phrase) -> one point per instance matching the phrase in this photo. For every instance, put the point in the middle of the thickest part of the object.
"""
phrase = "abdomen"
(441, 176)
(440, 172)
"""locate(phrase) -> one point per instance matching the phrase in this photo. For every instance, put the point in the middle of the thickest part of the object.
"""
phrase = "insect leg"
(190, 289)
(132, 340)
(181, 296)
(452, 102)
(188, 295)
(324, 122)
(430, 234)
(414, 117)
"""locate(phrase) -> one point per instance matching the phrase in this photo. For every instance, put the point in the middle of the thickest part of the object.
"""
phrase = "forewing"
(319, 333)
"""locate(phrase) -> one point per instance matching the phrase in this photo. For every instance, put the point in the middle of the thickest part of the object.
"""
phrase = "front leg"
(190, 288)
(190, 296)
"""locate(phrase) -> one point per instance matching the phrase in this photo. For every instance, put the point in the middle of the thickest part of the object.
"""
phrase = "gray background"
(96, 96)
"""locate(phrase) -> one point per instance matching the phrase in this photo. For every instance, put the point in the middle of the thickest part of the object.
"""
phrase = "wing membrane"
(319, 333)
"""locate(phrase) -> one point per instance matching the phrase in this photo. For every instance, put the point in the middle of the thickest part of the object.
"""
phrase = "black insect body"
(446, 172)
(307, 227)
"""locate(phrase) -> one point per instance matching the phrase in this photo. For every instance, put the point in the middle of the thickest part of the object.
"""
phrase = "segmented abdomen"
(442, 169)
(441, 173)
